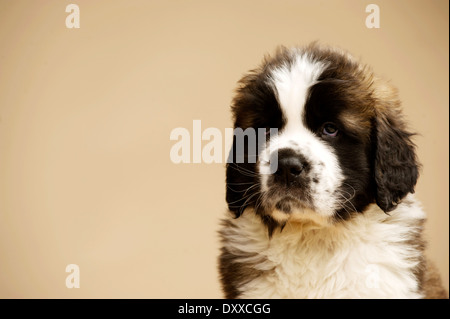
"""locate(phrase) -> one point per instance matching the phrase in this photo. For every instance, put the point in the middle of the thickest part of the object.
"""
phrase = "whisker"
(246, 183)
(243, 170)
(347, 200)
(251, 188)
(243, 197)
(243, 190)
(251, 196)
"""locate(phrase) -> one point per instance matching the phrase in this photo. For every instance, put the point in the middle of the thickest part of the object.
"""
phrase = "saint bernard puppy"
(336, 217)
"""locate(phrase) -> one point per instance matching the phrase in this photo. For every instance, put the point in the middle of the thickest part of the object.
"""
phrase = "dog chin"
(292, 210)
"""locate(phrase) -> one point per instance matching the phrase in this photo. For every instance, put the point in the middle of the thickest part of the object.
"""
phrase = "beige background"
(85, 118)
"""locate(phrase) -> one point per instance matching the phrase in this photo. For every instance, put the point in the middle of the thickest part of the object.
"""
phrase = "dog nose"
(289, 169)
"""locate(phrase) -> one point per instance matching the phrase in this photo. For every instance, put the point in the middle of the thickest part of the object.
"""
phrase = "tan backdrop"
(86, 114)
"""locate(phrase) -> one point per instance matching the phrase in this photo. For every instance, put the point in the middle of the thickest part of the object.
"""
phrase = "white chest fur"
(372, 255)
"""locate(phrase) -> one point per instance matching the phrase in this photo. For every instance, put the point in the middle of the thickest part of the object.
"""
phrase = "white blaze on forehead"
(292, 83)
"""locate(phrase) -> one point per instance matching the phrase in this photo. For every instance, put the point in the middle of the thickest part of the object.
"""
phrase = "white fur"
(291, 84)
(365, 257)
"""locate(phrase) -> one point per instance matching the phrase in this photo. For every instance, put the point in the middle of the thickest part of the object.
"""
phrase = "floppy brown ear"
(396, 166)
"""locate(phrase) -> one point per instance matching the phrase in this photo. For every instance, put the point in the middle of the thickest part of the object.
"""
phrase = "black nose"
(289, 169)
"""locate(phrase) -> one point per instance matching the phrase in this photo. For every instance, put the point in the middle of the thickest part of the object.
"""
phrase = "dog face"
(341, 142)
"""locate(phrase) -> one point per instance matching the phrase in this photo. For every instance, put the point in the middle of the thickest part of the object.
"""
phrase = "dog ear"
(240, 181)
(396, 166)
(251, 96)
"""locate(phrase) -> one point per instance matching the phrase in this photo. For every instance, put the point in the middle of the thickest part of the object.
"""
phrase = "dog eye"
(329, 129)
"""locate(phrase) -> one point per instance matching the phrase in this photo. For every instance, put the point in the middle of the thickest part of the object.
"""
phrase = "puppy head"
(341, 142)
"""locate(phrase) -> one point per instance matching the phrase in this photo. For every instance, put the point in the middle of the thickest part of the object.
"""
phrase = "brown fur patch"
(235, 268)
(432, 283)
